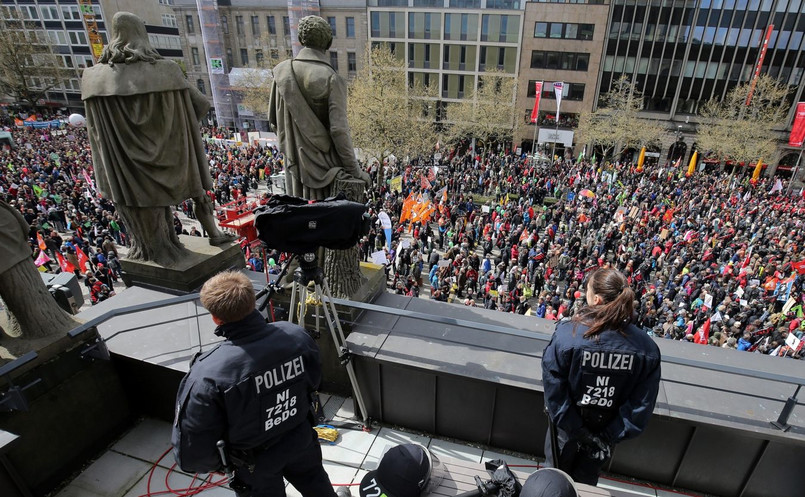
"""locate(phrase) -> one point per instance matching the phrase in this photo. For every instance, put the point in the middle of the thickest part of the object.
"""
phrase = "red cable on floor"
(205, 484)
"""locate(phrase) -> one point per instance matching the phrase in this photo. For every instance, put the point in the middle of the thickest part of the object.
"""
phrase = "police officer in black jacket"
(601, 376)
(253, 391)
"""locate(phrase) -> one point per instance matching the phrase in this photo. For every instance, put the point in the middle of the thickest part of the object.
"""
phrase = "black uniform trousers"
(299, 462)
(573, 459)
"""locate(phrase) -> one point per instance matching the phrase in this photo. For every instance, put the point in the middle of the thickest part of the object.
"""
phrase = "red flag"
(797, 136)
(799, 267)
(538, 94)
(759, 65)
(704, 334)
(64, 264)
(431, 173)
(41, 241)
(83, 260)
(425, 183)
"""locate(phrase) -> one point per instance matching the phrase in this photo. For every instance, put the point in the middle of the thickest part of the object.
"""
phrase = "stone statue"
(32, 311)
(143, 122)
(308, 108)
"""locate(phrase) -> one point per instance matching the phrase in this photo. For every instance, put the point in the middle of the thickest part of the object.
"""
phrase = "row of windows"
(707, 35)
(792, 6)
(592, 2)
(428, 25)
(564, 30)
(462, 57)
(165, 42)
(568, 61)
(77, 61)
(702, 69)
(255, 22)
(571, 91)
(68, 85)
(56, 13)
(459, 4)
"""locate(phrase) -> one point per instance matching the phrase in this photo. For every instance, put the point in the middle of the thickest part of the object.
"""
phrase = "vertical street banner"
(535, 111)
(798, 128)
(763, 49)
(558, 89)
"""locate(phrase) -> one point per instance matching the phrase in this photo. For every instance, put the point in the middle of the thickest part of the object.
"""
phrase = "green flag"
(37, 190)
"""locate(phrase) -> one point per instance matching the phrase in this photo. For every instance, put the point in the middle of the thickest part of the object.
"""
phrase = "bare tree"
(488, 114)
(617, 125)
(29, 68)
(386, 115)
(254, 82)
(732, 130)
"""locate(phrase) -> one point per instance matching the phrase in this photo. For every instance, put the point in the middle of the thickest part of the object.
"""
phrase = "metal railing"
(781, 422)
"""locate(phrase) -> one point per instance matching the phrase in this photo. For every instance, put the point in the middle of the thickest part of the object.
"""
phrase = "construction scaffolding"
(217, 65)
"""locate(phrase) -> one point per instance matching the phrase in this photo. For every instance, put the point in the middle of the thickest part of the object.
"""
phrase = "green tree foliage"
(616, 125)
(731, 130)
(386, 115)
(29, 68)
(488, 114)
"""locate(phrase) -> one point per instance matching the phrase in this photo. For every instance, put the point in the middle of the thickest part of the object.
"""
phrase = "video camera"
(293, 224)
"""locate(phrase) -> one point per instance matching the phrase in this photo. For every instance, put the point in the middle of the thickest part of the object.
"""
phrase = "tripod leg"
(292, 306)
(337, 332)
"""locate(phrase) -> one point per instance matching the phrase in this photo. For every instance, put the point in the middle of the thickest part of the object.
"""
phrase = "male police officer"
(252, 392)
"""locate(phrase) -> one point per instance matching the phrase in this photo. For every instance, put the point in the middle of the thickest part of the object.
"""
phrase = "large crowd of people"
(713, 258)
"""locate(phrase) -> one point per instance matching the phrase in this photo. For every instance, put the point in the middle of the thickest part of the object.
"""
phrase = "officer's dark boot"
(343, 492)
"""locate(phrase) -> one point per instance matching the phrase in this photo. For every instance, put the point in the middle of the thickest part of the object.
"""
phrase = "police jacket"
(251, 391)
(607, 384)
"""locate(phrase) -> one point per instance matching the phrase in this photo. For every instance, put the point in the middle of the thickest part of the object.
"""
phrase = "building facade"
(61, 22)
(680, 54)
(450, 43)
(256, 34)
(562, 42)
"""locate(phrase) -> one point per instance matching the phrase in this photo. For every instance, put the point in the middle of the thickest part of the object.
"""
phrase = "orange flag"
(41, 241)
(758, 169)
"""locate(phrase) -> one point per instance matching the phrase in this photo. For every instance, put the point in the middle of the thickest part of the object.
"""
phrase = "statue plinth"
(187, 274)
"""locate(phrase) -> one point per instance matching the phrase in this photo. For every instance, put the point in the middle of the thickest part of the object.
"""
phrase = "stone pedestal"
(188, 274)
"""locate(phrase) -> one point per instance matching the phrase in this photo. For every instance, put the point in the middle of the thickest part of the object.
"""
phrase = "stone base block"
(188, 274)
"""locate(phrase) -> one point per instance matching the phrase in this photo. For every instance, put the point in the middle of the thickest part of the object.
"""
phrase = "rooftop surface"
(142, 458)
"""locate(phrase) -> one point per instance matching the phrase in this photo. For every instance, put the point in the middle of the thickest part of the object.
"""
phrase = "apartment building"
(562, 42)
(450, 43)
(61, 22)
(680, 54)
(256, 34)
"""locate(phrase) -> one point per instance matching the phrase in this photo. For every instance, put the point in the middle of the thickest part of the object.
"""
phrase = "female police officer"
(601, 375)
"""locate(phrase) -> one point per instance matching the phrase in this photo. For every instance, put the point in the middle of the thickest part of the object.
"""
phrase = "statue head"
(315, 32)
(129, 41)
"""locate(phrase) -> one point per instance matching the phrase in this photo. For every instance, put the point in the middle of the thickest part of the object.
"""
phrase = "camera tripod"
(309, 272)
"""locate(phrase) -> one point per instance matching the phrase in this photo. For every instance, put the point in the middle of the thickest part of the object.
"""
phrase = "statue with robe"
(148, 155)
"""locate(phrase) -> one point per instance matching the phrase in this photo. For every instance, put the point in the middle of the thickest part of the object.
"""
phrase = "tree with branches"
(29, 68)
(616, 125)
(732, 130)
(489, 113)
(387, 115)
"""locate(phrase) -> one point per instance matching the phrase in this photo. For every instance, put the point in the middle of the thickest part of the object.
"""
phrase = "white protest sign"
(788, 305)
(379, 257)
(739, 292)
(792, 341)
(385, 220)
(708, 301)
